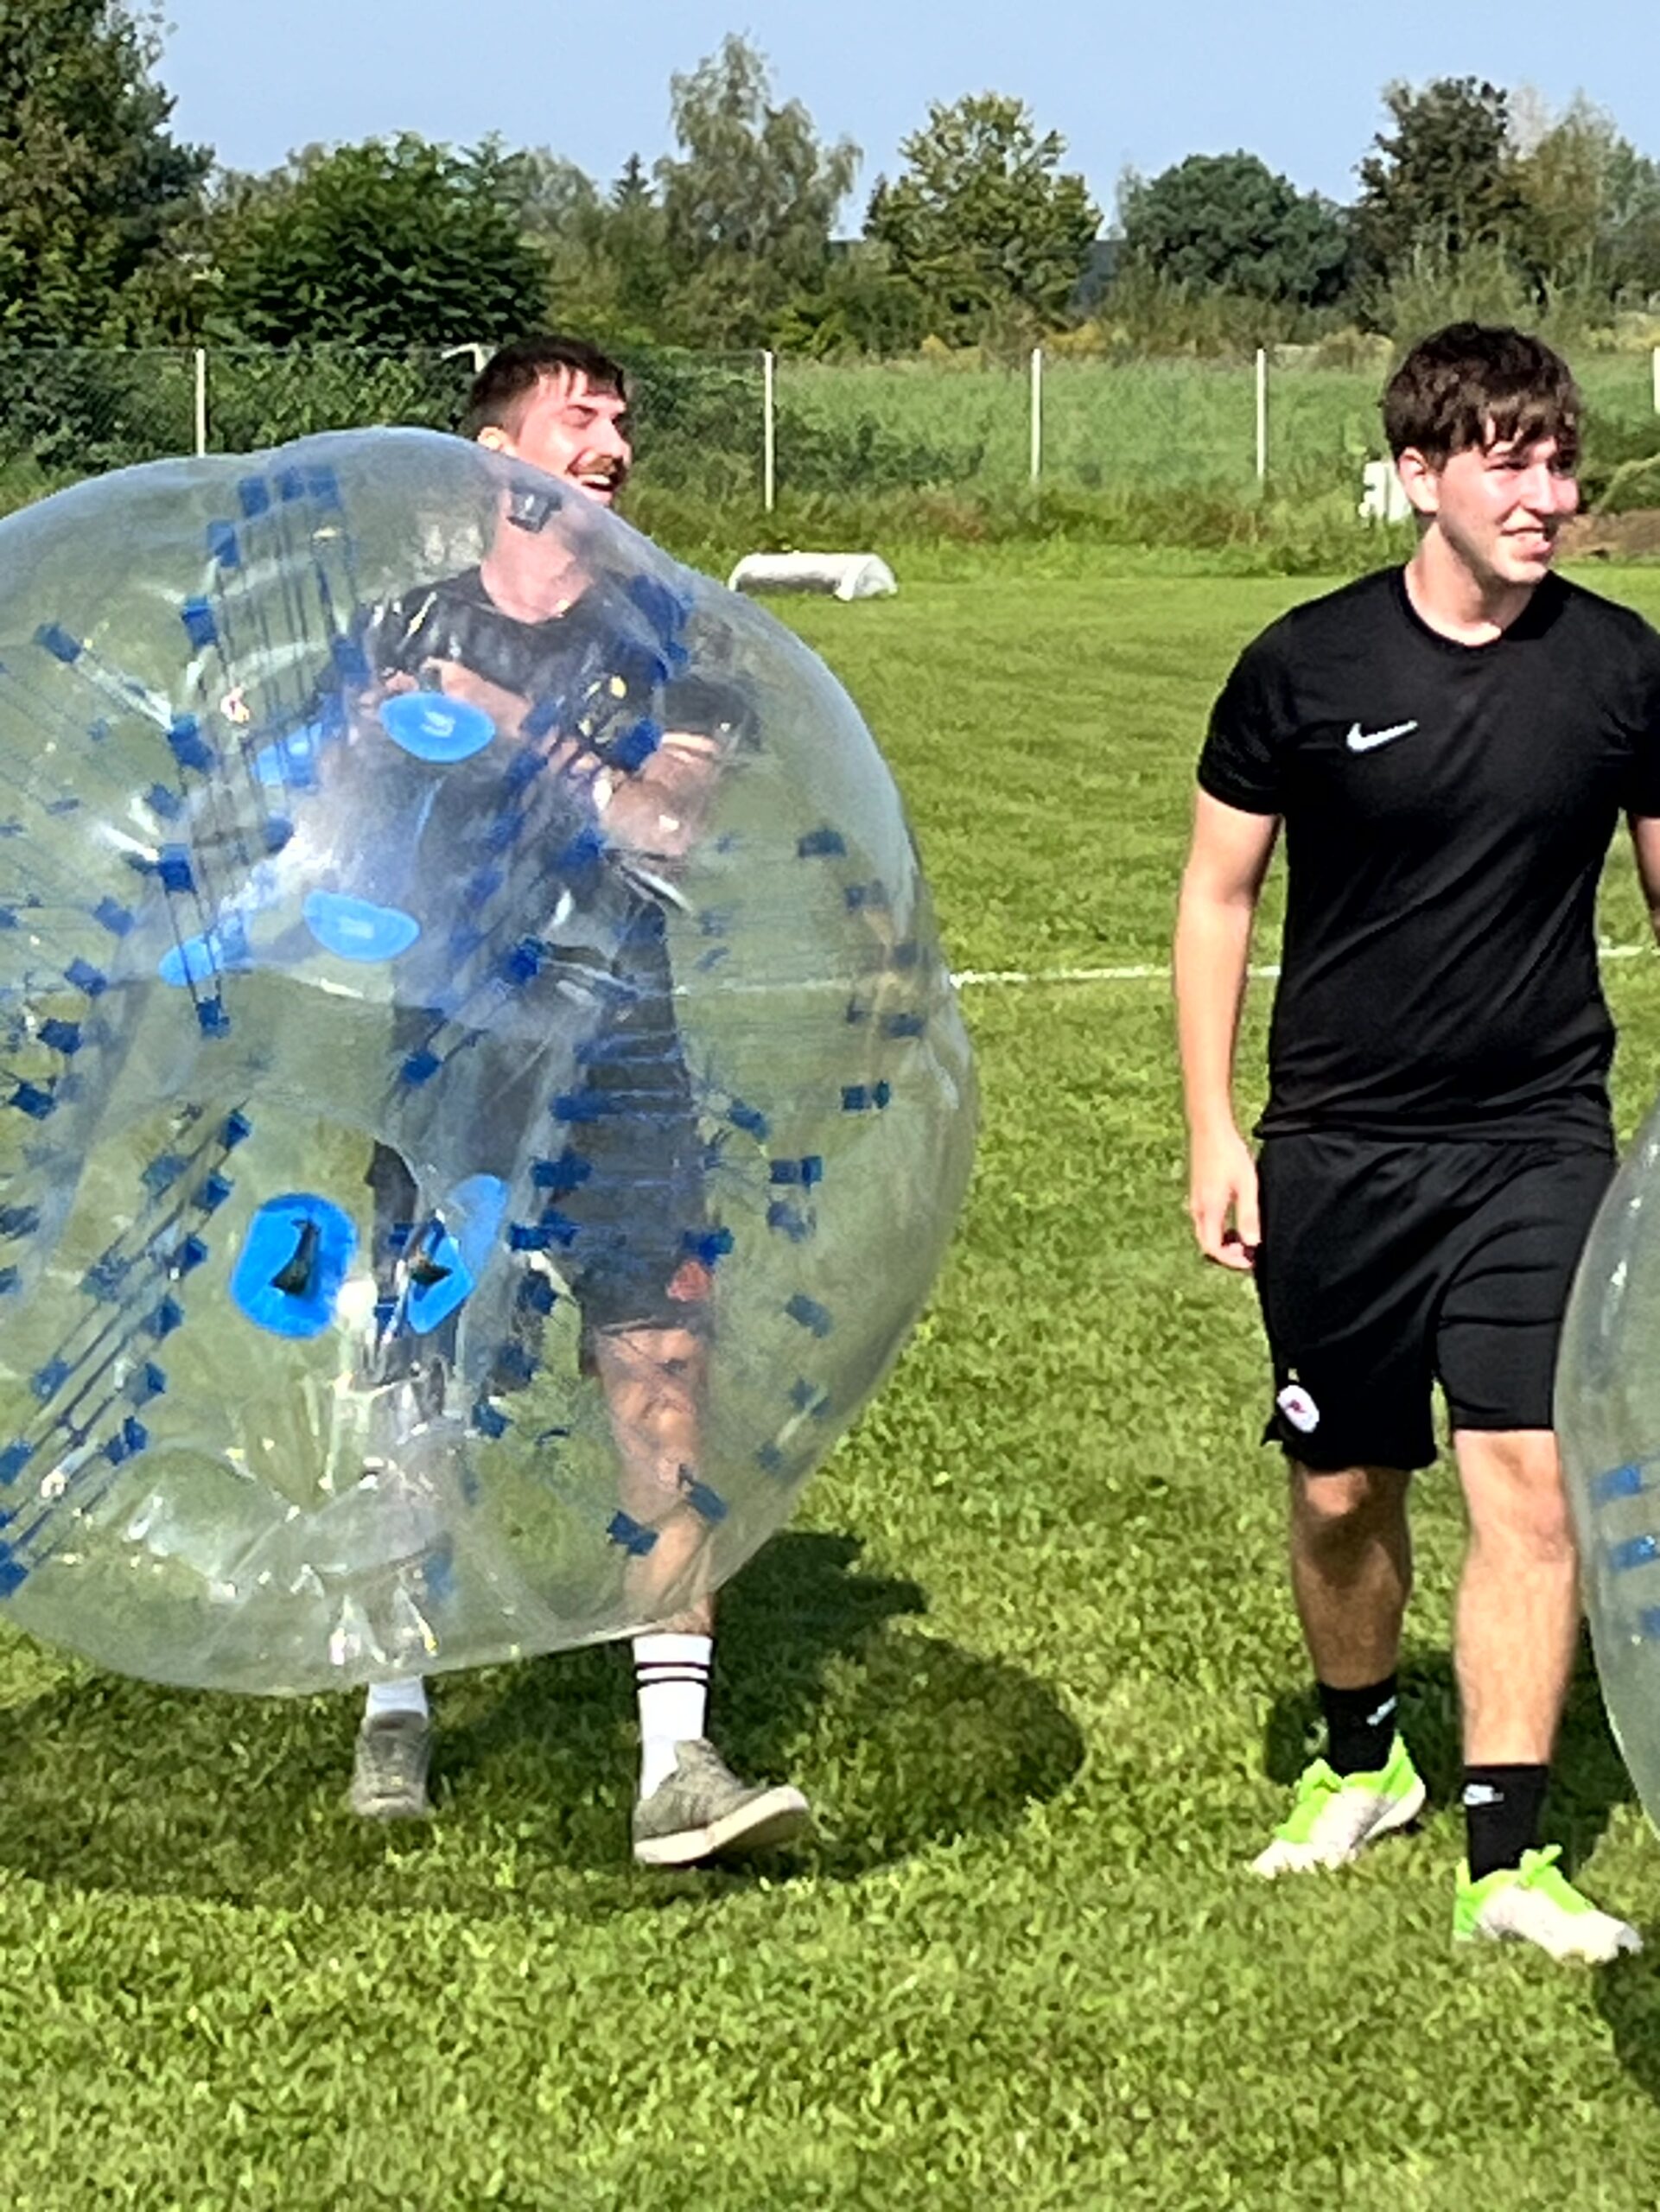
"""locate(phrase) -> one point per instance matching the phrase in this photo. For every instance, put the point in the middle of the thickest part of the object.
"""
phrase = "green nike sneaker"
(1535, 1903)
(1335, 1816)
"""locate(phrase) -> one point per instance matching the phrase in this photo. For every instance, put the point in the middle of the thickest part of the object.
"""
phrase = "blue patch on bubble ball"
(356, 929)
(429, 726)
(294, 1260)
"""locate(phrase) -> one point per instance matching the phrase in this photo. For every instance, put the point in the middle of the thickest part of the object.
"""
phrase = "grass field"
(1134, 425)
(1027, 1649)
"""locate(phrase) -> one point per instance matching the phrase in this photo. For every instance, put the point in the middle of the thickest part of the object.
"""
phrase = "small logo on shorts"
(1299, 1408)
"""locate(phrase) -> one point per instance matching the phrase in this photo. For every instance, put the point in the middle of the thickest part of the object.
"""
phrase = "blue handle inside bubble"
(429, 726)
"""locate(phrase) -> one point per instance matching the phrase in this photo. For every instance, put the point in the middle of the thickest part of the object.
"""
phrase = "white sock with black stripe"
(671, 1682)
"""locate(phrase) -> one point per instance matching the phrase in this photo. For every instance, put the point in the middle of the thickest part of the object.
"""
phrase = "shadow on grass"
(1628, 1997)
(1588, 1776)
(902, 1740)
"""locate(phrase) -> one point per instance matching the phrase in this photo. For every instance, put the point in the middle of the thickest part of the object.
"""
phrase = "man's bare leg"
(1351, 1574)
(1517, 1615)
(691, 1807)
(653, 1382)
(1350, 1570)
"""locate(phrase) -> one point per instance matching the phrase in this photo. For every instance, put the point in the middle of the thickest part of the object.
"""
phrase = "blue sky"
(1296, 82)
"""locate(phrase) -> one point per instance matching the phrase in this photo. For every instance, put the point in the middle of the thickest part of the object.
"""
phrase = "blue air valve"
(447, 1257)
(293, 1263)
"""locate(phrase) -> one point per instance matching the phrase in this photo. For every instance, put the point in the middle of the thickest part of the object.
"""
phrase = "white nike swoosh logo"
(1360, 741)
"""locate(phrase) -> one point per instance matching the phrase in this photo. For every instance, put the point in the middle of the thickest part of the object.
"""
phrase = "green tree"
(391, 243)
(555, 199)
(562, 214)
(1563, 177)
(634, 252)
(861, 306)
(1225, 222)
(1593, 202)
(749, 204)
(1445, 177)
(983, 221)
(608, 273)
(93, 185)
(1630, 237)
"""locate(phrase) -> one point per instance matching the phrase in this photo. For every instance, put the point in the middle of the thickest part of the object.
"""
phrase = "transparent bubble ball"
(1607, 1412)
(483, 1102)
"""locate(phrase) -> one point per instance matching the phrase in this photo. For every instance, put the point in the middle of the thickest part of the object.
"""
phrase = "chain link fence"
(72, 411)
(745, 429)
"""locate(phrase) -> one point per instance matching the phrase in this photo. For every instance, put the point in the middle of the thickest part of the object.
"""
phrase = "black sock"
(1502, 1806)
(1359, 1725)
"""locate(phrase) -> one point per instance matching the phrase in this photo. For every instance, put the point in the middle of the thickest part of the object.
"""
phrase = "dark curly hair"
(510, 375)
(1474, 384)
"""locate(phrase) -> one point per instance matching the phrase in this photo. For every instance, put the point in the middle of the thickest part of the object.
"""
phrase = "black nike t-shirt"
(594, 677)
(1448, 810)
(591, 678)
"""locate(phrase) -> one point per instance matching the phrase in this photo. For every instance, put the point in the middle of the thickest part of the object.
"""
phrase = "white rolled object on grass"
(847, 575)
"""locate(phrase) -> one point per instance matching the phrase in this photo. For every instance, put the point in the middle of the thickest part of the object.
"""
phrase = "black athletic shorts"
(631, 1128)
(621, 1190)
(1387, 1266)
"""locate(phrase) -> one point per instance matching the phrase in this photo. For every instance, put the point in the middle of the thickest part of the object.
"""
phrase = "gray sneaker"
(389, 1774)
(702, 1811)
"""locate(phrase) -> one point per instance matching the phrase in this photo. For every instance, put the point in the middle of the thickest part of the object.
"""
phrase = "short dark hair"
(1474, 384)
(511, 374)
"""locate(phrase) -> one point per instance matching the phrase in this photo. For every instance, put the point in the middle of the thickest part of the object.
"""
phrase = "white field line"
(1021, 978)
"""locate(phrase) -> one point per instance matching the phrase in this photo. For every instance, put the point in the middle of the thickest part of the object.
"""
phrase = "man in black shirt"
(1449, 748)
(526, 638)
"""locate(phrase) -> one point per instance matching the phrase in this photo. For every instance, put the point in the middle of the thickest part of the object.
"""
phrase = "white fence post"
(201, 400)
(768, 431)
(1656, 379)
(1261, 414)
(1037, 413)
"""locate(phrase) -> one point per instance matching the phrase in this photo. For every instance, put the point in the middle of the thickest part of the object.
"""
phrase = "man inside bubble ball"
(519, 628)
(1449, 747)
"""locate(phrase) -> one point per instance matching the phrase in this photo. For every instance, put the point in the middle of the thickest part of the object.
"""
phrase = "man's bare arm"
(657, 809)
(1220, 886)
(1645, 843)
